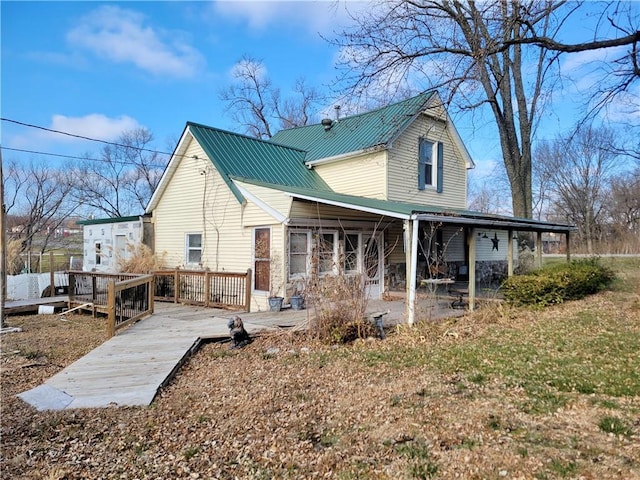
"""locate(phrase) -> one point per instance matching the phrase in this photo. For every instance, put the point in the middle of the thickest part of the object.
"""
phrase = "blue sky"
(96, 69)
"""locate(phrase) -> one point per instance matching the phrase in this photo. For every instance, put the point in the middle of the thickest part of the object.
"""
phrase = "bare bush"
(141, 259)
(340, 304)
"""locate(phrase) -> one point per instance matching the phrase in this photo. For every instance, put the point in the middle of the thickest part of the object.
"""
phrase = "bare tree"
(39, 198)
(579, 168)
(122, 180)
(257, 105)
(495, 53)
(623, 209)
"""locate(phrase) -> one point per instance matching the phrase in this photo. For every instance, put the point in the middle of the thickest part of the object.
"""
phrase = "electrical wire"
(82, 137)
(75, 157)
(30, 125)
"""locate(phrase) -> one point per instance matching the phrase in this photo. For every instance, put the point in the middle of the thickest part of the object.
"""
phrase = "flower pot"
(275, 303)
(297, 302)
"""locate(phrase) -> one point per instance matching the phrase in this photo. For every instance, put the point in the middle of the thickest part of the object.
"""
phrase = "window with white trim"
(327, 252)
(426, 166)
(299, 253)
(193, 248)
(351, 253)
(312, 249)
(430, 165)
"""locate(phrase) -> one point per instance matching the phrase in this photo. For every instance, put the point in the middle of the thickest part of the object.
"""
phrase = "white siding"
(485, 246)
(403, 167)
(365, 176)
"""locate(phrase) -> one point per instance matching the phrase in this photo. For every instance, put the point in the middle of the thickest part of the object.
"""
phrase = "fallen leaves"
(288, 407)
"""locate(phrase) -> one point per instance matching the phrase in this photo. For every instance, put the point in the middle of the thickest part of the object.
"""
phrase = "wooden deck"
(13, 307)
(130, 368)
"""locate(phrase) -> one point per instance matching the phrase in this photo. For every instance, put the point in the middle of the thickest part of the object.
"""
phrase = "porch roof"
(412, 211)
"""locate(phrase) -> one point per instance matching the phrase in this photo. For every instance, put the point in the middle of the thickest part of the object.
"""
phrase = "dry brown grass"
(140, 259)
(475, 397)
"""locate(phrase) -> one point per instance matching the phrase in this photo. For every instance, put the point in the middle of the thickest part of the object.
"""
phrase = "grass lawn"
(500, 393)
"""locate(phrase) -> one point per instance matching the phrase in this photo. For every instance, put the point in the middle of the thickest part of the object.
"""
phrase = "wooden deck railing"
(127, 297)
(128, 301)
(200, 287)
(92, 288)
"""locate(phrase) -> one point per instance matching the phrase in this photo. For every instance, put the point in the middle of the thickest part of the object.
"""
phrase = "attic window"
(430, 165)
(425, 164)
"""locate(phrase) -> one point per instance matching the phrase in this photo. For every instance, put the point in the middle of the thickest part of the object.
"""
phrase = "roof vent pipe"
(327, 123)
(337, 109)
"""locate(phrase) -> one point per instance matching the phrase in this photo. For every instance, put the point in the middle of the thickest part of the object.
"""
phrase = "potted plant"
(297, 299)
(275, 300)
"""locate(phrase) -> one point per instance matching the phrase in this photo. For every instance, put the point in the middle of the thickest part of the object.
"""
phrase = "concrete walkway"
(131, 367)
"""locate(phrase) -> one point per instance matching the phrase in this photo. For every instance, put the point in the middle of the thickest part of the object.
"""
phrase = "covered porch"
(426, 250)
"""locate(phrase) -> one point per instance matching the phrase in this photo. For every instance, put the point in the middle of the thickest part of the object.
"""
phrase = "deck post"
(151, 294)
(568, 247)
(472, 270)
(247, 291)
(176, 286)
(52, 279)
(207, 287)
(111, 308)
(72, 288)
(94, 295)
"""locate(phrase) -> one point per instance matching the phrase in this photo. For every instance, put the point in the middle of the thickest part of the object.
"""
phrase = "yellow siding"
(274, 199)
(365, 176)
(315, 211)
(403, 167)
(202, 203)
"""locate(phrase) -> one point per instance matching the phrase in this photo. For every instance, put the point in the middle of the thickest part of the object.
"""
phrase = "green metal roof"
(99, 221)
(353, 133)
(247, 157)
(419, 211)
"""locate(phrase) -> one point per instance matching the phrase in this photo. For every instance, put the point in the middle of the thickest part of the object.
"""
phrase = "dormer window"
(430, 159)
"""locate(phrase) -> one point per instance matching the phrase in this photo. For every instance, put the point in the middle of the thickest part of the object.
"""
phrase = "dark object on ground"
(239, 336)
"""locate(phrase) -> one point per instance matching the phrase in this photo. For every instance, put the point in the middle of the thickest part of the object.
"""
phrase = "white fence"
(32, 285)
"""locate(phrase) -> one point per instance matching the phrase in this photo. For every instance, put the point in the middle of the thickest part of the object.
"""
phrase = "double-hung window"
(193, 251)
(299, 251)
(311, 250)
(425, 164)
(430, 165)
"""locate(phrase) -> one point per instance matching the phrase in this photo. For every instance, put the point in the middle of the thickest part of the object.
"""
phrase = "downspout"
(413, 271)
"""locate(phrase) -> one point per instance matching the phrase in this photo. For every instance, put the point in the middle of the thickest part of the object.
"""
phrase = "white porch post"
(412, 272)
(472, 270)
(538, 250)
(568, 247)
(510, 253)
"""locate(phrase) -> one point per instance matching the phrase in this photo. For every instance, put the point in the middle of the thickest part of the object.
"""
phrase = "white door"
(373, 260)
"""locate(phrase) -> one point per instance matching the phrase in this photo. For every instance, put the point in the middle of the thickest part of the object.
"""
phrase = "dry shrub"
(141, 259)
(14, 262)
(340, 304)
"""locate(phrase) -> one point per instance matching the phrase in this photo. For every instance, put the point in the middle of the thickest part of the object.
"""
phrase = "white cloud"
(123, 36)
(94, 125)
(317, 16)
(578, 60)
